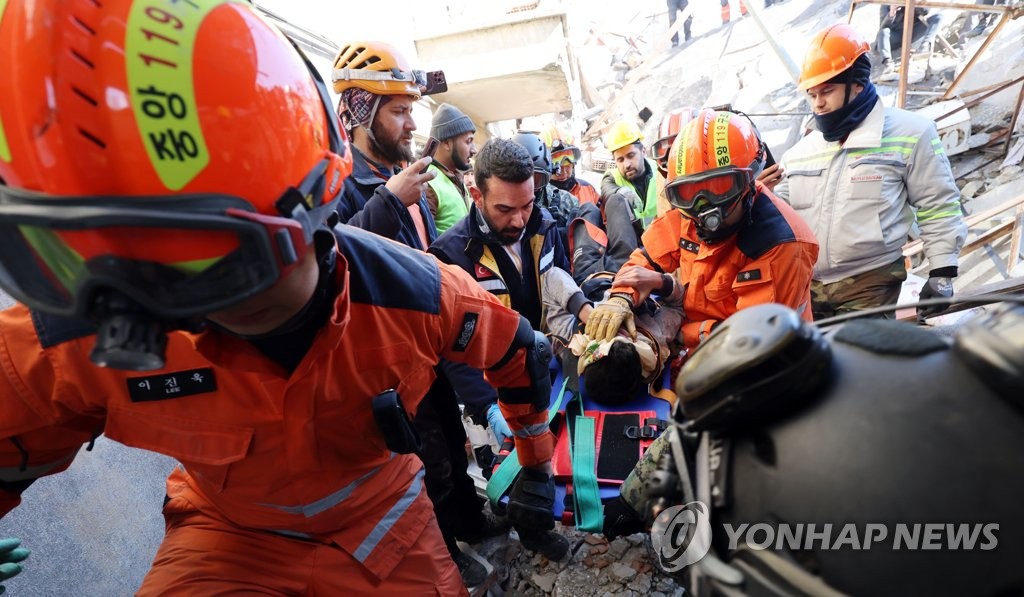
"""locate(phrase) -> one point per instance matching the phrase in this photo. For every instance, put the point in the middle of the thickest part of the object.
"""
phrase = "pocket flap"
(186, 439)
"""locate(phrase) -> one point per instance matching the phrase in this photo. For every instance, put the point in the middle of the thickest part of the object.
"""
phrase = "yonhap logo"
(681, 535)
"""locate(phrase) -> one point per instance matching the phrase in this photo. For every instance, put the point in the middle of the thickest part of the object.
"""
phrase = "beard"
(391, 149)
(507, 236)
(459, 162)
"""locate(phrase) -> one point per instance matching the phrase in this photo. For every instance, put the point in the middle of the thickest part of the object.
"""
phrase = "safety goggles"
(428, 82)
(659, 151)
(719, 187)
(177, 257)
(565, 156)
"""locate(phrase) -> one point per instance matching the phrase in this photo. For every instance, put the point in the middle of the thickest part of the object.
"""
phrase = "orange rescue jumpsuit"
(287, 484)
(768, 261)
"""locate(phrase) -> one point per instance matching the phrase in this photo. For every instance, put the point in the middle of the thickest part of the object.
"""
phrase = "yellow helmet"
(376, 67)
(621, 134)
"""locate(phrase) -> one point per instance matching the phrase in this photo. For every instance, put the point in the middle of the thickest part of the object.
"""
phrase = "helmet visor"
(715, 188)
(540, 179)
(177, 257)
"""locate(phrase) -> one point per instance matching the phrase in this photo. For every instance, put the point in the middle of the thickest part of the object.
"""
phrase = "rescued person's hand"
(608, 316)
(410, 184)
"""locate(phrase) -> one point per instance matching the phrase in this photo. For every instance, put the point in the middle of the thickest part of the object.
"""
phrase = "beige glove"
(608, 316)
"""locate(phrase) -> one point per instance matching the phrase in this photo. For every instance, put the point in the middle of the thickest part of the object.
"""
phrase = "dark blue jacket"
(467, 246)
(367, 204)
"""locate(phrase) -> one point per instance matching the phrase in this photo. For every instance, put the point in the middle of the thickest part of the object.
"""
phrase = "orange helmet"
(376, 67)
(671, 124)
(180, 153)
(712, 166)
(832, 51)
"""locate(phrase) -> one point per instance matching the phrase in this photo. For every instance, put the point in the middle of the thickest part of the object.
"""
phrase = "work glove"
(497, 423)
(621, 519)
(936, 287)
(608, 316)
(10, 555)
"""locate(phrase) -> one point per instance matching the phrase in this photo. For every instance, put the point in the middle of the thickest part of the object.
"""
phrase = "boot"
(472, 572)
(549, 544)
(487, 526)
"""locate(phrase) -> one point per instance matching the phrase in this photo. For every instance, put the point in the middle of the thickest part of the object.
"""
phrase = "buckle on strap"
(641, 431)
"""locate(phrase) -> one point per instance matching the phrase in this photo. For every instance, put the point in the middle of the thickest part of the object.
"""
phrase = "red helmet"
(671, 124)
(178, 152)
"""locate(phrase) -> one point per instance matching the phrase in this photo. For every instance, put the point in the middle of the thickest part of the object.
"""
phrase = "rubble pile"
(594, 567)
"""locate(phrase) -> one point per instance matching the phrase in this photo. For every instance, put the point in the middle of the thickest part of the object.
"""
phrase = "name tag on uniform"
(171, 385)
(749, 275)
(689, 245)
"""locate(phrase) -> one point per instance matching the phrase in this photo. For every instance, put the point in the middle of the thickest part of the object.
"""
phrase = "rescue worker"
(732, 241)
(226, 324)
(634, 179)
(511, 248)
(565, 156)
(561, 204)
(378, 89)
(862, 179)
(446, 193)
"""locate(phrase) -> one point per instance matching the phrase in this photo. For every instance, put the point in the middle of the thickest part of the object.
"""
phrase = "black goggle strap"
(297, 203)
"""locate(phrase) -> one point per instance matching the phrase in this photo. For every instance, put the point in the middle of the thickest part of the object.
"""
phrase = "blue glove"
(10, 555)
(497, 423)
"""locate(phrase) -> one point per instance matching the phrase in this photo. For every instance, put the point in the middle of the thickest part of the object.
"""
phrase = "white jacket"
(860, 198)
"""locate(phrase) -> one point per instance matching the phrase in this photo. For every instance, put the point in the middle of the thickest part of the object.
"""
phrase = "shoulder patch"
(53, 330)
(466, 332)
(388, 274)
(166, 386)
(767, 230)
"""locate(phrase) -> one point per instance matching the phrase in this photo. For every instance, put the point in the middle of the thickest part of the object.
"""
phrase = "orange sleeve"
(38, 436)
(479, 331)
(660, 247)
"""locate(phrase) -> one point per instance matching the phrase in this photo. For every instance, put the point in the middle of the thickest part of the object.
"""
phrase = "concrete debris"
(1007, 174)
(595, 566)
(971, 189)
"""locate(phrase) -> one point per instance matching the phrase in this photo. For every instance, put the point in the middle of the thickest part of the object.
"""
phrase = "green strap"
(501, 480)
(585, 494)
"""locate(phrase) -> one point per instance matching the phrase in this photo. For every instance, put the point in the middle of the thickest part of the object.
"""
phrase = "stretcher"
(620, 435)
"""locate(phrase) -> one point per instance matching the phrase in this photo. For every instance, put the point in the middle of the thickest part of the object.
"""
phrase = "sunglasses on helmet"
(428, 83)
(715, 188)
